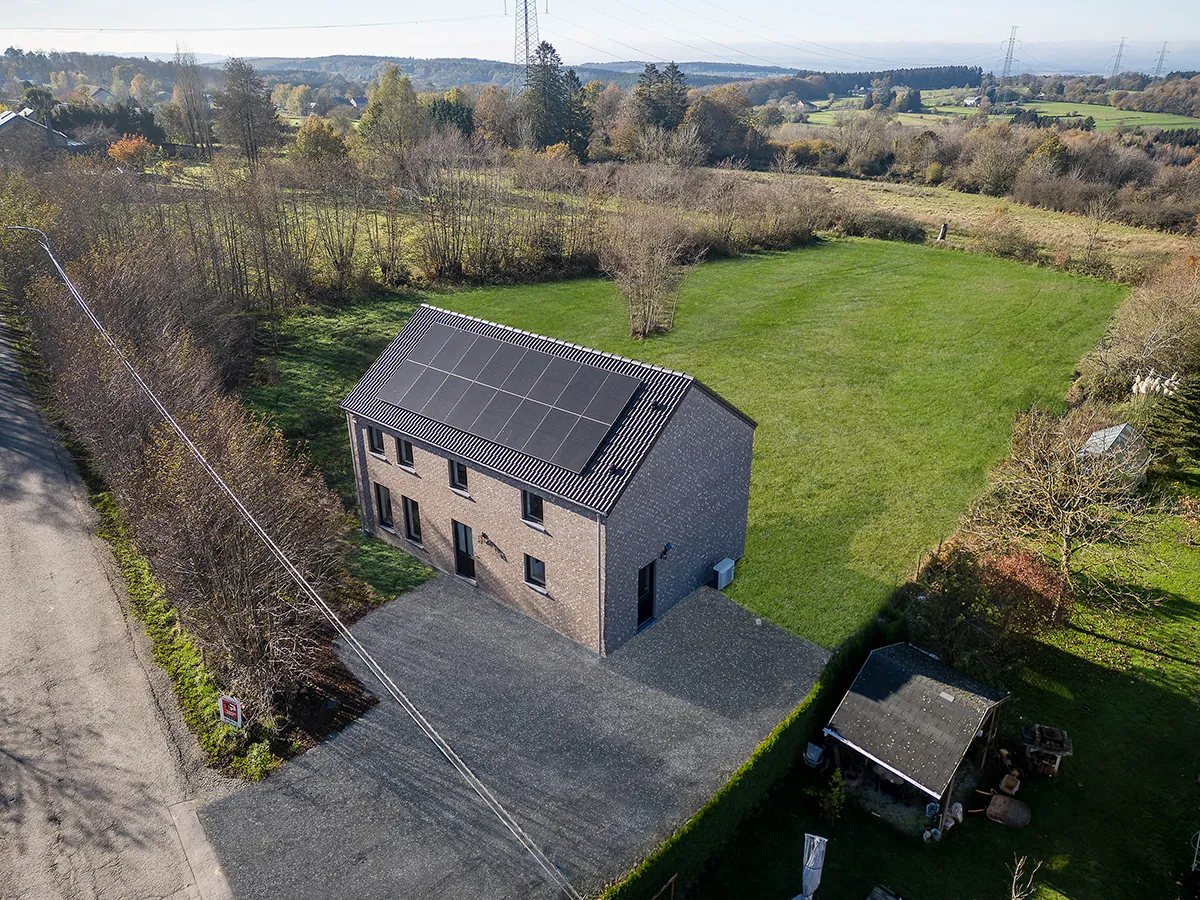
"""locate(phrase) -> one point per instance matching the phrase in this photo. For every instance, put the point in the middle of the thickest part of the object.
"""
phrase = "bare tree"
(648, 254)
(1022, 881)
(1063, 500)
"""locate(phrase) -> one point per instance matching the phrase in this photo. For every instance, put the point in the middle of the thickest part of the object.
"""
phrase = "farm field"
(963, 212)
(1108, 117)
(883, 377)
(1112, 679)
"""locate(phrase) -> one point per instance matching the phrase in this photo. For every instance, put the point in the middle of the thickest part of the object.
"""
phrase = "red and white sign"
(231, 710)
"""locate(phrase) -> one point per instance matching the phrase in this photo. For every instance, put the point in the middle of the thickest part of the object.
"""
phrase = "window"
(531, 507)
(404, 453)
(458, 475)
(464, 551)
(412, 520)
(535, 572)
(375, 440)
(383, 505)
(645, 594)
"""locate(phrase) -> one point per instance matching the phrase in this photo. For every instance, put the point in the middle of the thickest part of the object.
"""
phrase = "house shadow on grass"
(1115, 824)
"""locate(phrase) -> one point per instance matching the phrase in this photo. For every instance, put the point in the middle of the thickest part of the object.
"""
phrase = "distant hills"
(446, 72)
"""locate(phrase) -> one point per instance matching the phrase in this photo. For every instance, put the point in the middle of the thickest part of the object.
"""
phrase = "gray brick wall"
(692, 492)
(567, 545)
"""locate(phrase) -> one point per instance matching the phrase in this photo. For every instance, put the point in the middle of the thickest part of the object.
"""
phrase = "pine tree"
(546, 98)
(579, 120)
(673, 93)
(1174, 427)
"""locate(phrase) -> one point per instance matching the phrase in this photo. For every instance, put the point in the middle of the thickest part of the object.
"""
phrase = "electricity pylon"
(526, 40)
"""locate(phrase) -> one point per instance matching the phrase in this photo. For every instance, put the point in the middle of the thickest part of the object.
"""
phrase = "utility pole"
(1117, 62)
(526, 41)
(1008, 57)
(1162, 58)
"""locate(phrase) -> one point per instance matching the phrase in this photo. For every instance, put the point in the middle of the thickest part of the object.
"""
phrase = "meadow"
(1109, 117)
(883, 377)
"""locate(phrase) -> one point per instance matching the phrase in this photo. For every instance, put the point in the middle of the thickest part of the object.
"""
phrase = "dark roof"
(620, 452)
(914, 714)
(60, 140)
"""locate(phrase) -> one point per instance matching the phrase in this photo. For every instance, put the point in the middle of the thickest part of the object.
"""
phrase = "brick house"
(590, 491)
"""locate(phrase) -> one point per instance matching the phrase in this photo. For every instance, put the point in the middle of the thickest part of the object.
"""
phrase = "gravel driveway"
(599, 760)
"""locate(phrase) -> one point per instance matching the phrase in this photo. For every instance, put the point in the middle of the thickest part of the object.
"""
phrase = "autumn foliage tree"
(133, 151)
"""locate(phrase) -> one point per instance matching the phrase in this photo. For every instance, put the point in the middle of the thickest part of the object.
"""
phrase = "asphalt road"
(90, 758)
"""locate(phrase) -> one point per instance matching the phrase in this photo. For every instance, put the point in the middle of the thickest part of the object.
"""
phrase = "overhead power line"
(702, 37)
(1008, 56)
(1116, 69)
(604, 37)
(1162, 58)
(216, 28)
(552, 872)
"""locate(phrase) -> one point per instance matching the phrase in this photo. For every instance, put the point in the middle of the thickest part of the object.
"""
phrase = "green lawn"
(1116, 825)
(883, 378)
(1109, 117)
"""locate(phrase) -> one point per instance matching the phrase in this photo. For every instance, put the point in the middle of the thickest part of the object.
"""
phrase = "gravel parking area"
(599, 760)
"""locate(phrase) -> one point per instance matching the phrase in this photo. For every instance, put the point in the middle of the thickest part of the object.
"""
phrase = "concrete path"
(90, 737)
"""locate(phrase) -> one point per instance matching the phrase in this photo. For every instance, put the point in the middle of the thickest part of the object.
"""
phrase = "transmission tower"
(1162, 58)
(526, 41)
(1116, 70)
(1008, 57)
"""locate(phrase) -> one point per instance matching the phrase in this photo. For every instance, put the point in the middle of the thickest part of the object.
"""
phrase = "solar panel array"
(550, 408)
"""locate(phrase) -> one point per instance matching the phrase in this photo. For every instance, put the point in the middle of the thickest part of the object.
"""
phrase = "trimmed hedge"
(686, 853)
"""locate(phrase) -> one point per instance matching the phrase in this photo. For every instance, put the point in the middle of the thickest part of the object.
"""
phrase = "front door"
(645, 594)
(464, 551)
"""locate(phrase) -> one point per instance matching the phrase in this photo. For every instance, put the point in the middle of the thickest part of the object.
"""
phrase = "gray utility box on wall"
(723, 573)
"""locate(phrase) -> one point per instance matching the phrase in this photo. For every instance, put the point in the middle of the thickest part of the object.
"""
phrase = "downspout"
(599, 594)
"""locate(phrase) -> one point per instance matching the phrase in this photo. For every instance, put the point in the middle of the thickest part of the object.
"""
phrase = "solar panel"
(519, 428)
(548, 407)
(495, 415)
(501, 364)
(580, 445)
(550, 434)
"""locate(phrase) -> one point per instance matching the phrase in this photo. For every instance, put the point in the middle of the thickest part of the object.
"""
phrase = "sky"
(879, 33)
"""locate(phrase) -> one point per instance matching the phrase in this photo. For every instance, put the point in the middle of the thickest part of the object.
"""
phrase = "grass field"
(1109, 117)
(1116, 825)
(941, 106)
(883, 377)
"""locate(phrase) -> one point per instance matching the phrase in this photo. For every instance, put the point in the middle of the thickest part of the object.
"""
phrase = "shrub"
(856, 221)
(999, 235)
(133, 151)
(833, 798)
(934, 173)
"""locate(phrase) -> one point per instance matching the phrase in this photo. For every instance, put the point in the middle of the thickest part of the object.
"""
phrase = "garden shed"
(910, 724)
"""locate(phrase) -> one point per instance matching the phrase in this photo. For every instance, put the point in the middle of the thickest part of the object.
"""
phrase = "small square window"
(404, 452)
(412, 519)
(458, 475)
(383, 505)
(375, 439)
(535, 572)
(531, 507)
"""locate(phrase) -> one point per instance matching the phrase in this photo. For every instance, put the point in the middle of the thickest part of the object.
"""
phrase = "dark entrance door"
(464, 551)
(645, 594)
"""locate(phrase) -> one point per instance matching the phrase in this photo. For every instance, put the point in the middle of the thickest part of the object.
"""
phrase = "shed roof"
(622, 447)
(913, 714)
(1103, 440)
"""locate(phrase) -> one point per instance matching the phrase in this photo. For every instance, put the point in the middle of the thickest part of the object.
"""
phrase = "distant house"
(973, 101)
(101, 96)
(359, 103)
(907, 726)
(590, 491)
(23, 137)
(1122, 443)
